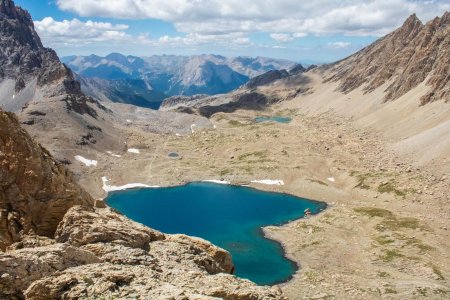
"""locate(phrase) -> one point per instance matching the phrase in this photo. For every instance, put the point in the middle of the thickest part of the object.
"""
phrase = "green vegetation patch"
(225, 172)
(391, 189)
(390, 221)
(438, 272)
(236, 123)
(374, 212)
(384, 240)
(318, 181)
(257, 154)
(390, 255)
(383, 274)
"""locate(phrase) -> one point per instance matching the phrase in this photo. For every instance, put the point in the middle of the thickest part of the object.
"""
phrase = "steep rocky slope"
(28, 70)
(400, 61)
(39, 88)
(36, 191)
(55, 245)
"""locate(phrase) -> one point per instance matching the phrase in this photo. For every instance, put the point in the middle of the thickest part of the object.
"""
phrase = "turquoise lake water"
(273, 119)
(229, 216)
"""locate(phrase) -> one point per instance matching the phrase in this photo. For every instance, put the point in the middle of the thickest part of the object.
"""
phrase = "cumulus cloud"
(339, 45)
(195, 39)
(282, 37)
(352, 17)
(76, 32)
(286, 37)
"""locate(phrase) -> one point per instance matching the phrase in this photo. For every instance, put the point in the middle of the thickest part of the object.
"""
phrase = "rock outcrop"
(98, 253)
(35, 190)
(297, 69)
(267, 78)
(403, 59)
(36, 71)
(176, 101)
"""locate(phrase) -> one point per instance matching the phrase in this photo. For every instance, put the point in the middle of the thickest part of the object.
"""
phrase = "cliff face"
(410, 55)
(35, 190)
(35, 70)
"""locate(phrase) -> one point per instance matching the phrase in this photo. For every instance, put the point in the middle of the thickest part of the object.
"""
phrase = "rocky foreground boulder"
(55, 244)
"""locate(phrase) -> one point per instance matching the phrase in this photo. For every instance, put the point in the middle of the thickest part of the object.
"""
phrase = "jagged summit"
(28, 70)
(410, 55)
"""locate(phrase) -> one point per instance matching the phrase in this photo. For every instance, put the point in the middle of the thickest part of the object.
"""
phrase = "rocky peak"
(25, 60)
(267, 78)
(411, 24)
(297, 69)
(8, 9)
(404, 58)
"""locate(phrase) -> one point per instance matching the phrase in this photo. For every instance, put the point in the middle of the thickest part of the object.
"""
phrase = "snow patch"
(331, 179)
(217, 181)
(269, 181)
(87, 162)
(112, 188)
(112, 154)
(129, 121)
(14, 96)
(134, 150)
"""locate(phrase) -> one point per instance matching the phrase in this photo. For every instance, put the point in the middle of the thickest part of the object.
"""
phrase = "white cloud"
(286, 37)
(282, 37)
(339, 45)
(352, 17)
(76, 32)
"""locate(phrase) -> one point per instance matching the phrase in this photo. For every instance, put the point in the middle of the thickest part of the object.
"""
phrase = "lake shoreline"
(283, 252)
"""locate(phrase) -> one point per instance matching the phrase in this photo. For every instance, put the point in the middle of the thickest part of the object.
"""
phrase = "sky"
(306, 31)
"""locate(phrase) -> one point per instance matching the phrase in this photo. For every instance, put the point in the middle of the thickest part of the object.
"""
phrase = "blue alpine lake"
(229, 216)
(277, 119)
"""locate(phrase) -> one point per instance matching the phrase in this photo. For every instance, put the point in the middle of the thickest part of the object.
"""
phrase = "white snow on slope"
(112, 154)
(112, 188)
(134, 150)
(87, 162)
(217, 181)
(269, 181)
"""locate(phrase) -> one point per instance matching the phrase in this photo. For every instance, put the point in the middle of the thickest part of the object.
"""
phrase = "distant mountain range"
(147, 81)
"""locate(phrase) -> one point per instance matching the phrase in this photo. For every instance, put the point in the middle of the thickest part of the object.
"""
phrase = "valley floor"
(385, 233)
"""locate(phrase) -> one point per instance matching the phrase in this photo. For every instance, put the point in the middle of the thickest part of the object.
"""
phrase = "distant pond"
(231, 217)
(277, 119)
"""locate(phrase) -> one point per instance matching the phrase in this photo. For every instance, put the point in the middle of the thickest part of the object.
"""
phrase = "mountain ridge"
(413, 53)
(173, 75)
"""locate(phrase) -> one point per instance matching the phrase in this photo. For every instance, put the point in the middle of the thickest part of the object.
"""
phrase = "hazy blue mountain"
(121, 78)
